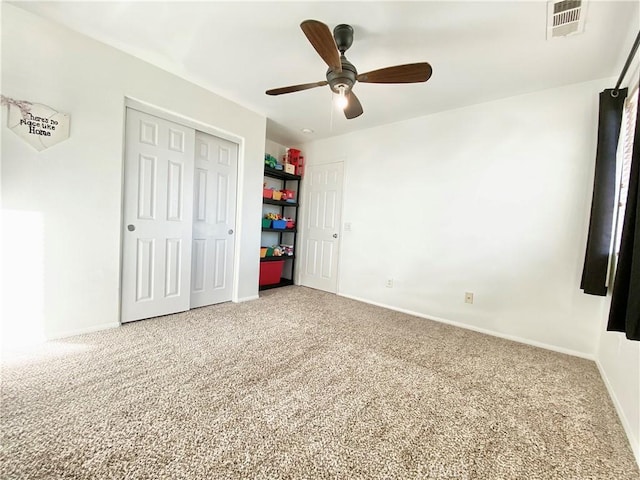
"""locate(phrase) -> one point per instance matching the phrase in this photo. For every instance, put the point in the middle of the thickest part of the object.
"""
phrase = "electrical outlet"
(468, 297)
(389, 283)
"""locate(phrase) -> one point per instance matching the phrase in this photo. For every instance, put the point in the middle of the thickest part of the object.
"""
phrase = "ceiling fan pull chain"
(331, 114)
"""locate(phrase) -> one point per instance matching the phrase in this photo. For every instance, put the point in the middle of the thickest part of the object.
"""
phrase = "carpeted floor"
(303, 384)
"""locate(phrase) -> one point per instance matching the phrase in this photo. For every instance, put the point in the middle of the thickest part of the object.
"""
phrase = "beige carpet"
(303, 384)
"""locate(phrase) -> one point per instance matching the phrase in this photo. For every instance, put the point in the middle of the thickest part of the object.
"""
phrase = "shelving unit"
(289, 209)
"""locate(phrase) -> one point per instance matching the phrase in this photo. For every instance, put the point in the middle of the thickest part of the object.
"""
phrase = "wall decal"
(39, 125)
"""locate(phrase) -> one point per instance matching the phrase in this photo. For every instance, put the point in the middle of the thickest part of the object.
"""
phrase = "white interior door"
(323, 204)
(158, 210)
(214, 225)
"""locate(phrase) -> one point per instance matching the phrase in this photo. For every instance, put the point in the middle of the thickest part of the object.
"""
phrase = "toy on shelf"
(276, 251)
(270, 161)
(277, 221)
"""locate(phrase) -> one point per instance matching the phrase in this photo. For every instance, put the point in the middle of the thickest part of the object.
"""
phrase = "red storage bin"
(270, 272)
(300, 166)
(293, 155)
(288, 194)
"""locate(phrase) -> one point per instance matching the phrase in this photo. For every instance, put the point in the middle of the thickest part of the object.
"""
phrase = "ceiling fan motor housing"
(346, 78)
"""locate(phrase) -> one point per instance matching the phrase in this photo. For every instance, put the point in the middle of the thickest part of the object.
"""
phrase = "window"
(625, 150)
(626, 141)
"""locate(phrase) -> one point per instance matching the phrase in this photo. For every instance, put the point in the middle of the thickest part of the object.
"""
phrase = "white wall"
(62, 206)
(619, 362)
(275, 149)
(492, 199)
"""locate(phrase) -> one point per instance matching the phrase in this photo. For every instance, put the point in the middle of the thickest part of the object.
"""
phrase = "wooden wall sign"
(37, 124)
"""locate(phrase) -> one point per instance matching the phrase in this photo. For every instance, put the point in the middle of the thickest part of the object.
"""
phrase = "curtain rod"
(633, 51)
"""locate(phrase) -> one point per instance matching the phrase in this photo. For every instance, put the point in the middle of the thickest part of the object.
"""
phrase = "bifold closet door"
(158, 214)
(214, 226)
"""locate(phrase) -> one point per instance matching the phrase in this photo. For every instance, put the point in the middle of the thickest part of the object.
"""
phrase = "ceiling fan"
(342, 74)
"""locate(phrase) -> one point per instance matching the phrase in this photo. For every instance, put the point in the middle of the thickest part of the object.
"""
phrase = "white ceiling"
(479, 51)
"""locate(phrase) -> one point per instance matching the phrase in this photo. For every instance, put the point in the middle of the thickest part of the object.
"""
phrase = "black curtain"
(596, 260)
(624, 315)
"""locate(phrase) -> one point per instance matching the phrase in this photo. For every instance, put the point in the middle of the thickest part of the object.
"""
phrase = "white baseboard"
(105, 326)
(486, 331)
(80, 331)
(246, 299)
(635, 442)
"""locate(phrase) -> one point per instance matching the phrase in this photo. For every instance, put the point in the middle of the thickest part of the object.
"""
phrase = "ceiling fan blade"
(322, 40)
(296, 88)
(409, 73)
(354, 107)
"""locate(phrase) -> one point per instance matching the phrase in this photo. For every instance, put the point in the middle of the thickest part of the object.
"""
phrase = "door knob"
(335, 235)
(231, 231)
(131, 228)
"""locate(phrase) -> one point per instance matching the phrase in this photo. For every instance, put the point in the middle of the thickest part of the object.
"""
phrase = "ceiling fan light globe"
(342, 100)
